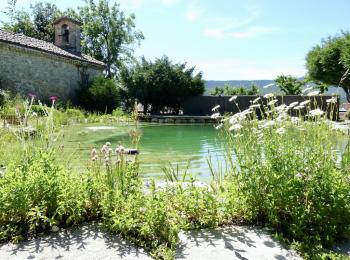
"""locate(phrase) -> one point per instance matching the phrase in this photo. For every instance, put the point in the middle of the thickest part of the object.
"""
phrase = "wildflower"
(293, 104)
(281, 108)
(269, 95)
(235, 127)
(299, 107)
(299, 175)
(332, 100)
(233, 98)
(295, 120)
(108, 144)
(215, 108)
(313, 93)
(272, 102)
(306, 90)
(268, 85)
(304, 102)
(268, 124)
(282, 117)
(120, 149)
(280, 131)
(53, 99)
(215, 115)
(255, 106)
(31, 95)
(316, 112)
(256, 100)
(219, 126)
(34, 114)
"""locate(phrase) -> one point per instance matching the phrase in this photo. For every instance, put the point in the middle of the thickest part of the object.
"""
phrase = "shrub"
(101, 95)
(74, 113)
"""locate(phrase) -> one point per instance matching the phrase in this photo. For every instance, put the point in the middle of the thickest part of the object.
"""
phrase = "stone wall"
(202, 105)
(30, 71)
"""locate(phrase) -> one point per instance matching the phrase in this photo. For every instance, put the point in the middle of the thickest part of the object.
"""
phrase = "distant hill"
(210, 84)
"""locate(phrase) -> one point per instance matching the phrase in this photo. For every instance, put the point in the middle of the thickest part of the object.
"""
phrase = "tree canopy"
(228, 90)
(329, 62)
(161, 84)
(289, 85)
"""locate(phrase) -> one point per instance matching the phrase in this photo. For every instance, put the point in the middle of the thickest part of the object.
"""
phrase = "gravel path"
(90, 242)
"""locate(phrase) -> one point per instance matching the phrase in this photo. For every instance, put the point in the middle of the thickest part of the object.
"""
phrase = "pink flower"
(53, 99)
(31, 95)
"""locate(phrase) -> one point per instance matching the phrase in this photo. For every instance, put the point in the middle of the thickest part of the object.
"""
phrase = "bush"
(102, 95)
(74, 113)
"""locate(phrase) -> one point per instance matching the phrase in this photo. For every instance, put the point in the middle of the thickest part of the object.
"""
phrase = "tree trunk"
(347, 93)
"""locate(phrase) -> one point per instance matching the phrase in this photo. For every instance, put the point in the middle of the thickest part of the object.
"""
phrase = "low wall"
(202, 105)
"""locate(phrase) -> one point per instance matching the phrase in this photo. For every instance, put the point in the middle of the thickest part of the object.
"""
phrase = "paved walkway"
(89, 242)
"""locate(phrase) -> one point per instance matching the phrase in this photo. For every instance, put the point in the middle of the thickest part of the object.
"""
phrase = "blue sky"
(231, 39)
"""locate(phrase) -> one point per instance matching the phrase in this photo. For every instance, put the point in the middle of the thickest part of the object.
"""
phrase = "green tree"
(329, 62)
(108, 34)
(102, 95)
(37, 23)
(289, 85)
(161, 84)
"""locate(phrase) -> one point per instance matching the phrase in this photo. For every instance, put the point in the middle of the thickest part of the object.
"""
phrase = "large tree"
(108, 34)
(329, 62)
(161, 84)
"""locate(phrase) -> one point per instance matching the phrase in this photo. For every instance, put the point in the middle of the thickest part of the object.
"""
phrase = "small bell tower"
(67, 34)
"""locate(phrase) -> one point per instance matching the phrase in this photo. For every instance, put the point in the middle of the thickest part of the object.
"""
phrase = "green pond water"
(159, 145)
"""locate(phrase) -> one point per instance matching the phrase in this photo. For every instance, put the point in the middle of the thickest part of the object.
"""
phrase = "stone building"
(29, 65)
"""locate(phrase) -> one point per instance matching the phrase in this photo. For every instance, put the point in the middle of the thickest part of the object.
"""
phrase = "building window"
(65, 33)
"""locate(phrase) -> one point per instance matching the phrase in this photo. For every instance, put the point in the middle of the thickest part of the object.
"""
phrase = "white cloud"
(230, 69)
(193, 13)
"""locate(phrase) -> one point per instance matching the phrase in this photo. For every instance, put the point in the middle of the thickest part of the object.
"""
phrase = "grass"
(283, 172)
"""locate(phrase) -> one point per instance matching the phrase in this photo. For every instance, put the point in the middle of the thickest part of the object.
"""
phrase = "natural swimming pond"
(159, 145)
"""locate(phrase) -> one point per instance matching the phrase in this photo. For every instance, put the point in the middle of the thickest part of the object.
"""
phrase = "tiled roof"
(32, 43)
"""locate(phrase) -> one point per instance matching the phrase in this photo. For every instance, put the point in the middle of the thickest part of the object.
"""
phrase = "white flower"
(215, 108)
(219, 126)
(269, 95)
(256, 100)
(108, 144)
(332, 100)
(291, 105)
(272, 102)
(255, 106)
(313, 93)
(268, 124)
(268, 85)
(281, 108)
(316, 112)
(34, 114)
(235, 127)
(233, 98)
(295, 120)
(299, 107)
(306, 90)
(304, 102)
(299, 175)
(215, 115)
(282, 117)
(280, 131)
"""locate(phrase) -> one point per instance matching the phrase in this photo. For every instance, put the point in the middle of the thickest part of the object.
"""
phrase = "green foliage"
(161, 84)
(228, 90)
(108, 34)
(37, 23)
(287, 176)
(101, 95)
(46, 195)
(330, 62)
(289, 85)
